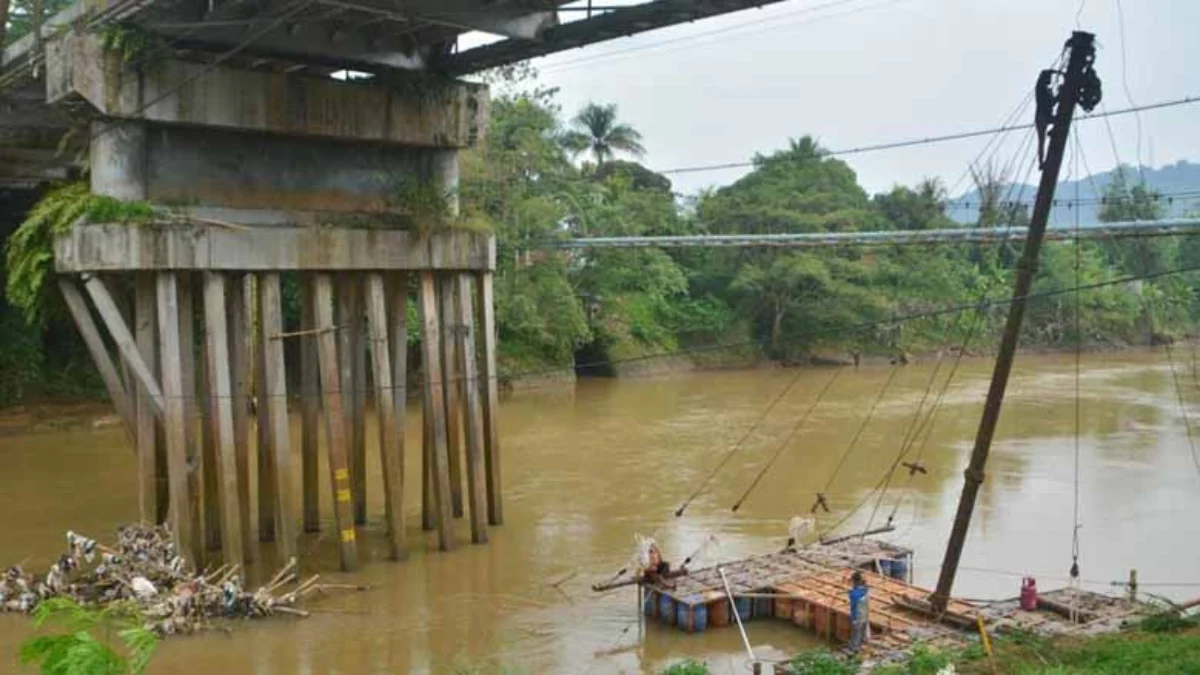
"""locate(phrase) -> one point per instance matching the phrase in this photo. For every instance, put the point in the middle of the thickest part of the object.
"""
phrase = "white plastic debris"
(142, 587)
(799, 527)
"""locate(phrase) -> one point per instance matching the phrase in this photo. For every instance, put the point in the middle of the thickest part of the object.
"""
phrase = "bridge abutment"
(261, 182)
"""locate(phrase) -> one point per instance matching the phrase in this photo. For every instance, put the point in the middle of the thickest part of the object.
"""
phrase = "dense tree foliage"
(596, 130)
(557, 307)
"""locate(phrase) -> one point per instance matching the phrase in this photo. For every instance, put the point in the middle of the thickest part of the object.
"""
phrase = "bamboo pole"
(334, 420)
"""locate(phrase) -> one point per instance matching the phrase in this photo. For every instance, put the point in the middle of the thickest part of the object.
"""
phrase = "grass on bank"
(1161, 645)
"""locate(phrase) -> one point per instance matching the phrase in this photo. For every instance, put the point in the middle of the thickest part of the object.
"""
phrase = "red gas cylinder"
(1028, 594)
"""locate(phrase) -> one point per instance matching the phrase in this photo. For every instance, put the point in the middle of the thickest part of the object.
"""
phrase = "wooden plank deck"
(809, 588)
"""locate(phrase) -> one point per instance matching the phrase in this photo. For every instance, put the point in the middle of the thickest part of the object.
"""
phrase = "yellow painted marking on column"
(348, 535)
(343, 495)
(342, 474)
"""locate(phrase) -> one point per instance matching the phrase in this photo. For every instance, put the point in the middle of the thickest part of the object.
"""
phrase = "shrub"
(823, 662)
(688, 667)
(76, 651)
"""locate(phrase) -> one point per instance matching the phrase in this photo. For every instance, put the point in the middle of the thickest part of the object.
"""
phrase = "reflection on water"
(587, 468)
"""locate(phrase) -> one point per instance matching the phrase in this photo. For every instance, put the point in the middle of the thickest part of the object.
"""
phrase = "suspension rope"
(926, 426)
(1075, 524)
(1187, 421)
(787, 441)
(738, 446)
(906, 443)
(821, 501)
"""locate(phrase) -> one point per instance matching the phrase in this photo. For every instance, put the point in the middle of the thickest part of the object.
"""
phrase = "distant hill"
(1174, 178)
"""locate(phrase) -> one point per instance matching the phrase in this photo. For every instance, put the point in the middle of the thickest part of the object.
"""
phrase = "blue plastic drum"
(885, 567)
(744, 608)
(666, 609)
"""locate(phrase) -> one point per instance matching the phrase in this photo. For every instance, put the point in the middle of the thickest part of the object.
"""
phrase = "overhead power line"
(1156, 197)
(930, 140)
(952, 236)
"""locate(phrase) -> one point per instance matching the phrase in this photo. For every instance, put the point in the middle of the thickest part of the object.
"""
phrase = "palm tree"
(595, 129)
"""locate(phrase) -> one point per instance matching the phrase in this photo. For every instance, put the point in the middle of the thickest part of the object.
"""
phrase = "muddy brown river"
(586, 468)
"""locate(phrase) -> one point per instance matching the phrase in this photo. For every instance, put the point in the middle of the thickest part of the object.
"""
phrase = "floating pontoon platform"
(809, 587)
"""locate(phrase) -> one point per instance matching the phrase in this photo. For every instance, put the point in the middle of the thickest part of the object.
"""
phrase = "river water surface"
(587, 467)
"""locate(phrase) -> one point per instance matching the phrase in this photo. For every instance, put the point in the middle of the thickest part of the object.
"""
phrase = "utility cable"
(1075, 524)
(1169, 197)
(738, 446)
(915, 430)
(1125, 84)
(907, 441)
(821, 501)
(929, 140)
(1183, 410)
(792, 339)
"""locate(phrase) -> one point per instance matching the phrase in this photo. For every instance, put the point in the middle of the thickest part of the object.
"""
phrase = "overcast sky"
(855, 72)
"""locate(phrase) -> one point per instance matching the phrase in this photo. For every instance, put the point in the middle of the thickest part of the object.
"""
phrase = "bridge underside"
(408, 47)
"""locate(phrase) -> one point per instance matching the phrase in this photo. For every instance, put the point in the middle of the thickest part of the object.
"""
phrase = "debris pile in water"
(144, 568)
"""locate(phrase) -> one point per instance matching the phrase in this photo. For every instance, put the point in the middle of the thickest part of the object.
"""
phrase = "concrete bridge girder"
(254, 141)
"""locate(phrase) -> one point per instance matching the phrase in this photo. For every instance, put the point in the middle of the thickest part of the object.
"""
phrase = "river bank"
(1162, 648)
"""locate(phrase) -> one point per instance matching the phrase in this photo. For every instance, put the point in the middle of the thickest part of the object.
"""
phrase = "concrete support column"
(445, 172)
(118, 159)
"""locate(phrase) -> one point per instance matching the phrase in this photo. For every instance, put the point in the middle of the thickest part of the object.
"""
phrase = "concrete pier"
(259, 180)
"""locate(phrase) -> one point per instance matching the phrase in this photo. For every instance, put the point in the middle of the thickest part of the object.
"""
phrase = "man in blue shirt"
(859, 611)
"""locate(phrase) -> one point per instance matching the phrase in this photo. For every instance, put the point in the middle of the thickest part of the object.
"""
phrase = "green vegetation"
(110, 641)
(41, 354)
(1165, 643)
(596, 130)
(717, 306)
(29, 255)
(822, 662)
(923, 661)
(688, 667)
